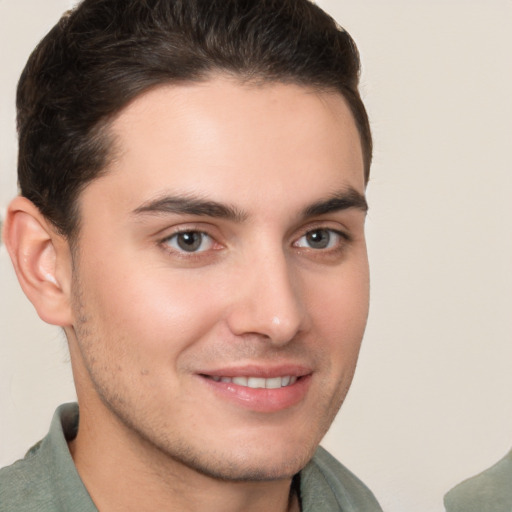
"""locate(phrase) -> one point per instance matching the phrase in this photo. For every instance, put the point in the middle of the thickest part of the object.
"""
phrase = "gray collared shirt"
(490, 491)
(46, 480)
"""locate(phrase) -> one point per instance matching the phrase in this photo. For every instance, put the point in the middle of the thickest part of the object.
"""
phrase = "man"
(192, 213)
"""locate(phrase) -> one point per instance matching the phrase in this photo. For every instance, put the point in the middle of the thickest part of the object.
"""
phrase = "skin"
(272, 287)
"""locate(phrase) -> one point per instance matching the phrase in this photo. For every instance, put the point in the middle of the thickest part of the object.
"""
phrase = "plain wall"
(431, 402)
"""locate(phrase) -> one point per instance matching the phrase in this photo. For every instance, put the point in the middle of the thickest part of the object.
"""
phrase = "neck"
(124, 473)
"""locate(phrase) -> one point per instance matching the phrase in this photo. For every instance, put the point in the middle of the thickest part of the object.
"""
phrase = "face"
(220, 286)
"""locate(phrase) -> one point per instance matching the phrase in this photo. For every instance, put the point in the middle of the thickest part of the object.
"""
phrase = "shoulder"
(46, 480)
(327, 485)
(489, 491)
(24, 485)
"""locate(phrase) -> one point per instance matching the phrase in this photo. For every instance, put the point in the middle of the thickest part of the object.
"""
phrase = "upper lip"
(259, 370)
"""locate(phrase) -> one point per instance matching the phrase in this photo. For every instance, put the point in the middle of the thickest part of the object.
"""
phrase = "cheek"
(151, 310)
(339, 308)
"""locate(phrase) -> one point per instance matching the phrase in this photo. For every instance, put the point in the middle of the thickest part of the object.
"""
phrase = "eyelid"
(205, 238)
(186, 227)
(335, 232)
(166, 234)
(324, 255)
(333, 226)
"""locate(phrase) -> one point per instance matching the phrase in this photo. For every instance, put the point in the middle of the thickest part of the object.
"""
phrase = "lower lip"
(260, 399)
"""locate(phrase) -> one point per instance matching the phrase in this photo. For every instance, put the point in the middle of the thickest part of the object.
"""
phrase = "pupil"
(189, 241)
(318, 239)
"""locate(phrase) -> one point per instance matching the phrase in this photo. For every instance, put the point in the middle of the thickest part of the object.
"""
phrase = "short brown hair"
(104, 53)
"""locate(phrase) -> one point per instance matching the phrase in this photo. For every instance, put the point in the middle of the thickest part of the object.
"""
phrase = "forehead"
(225, 140)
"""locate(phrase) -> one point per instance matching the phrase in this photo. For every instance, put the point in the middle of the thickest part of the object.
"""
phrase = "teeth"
(276, 382)
(258, 382)
(255, 382)
(241, 381)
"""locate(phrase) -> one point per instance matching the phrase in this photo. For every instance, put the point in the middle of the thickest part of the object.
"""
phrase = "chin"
(255, 461)
(249, 470)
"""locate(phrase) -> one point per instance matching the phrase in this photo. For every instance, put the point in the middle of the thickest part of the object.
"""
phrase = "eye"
(321, 238)
(190, 241)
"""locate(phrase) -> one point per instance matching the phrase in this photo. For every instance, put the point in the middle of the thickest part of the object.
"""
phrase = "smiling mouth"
(257, 382)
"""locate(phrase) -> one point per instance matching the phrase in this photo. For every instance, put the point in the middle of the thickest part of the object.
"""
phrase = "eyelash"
(187, 231)
(341, 239)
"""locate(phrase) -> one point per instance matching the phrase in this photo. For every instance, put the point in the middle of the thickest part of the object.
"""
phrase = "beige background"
(432, 400)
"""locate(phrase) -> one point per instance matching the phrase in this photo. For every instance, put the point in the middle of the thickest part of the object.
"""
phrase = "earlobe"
(41, 259)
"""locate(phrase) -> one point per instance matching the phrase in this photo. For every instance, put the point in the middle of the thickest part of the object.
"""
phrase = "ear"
(41, 259)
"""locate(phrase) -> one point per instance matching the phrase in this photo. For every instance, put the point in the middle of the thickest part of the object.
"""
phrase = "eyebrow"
(191, 205)
(344, 200)
(188, 205)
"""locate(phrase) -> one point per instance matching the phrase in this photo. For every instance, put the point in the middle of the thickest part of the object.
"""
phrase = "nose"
(268, 301)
